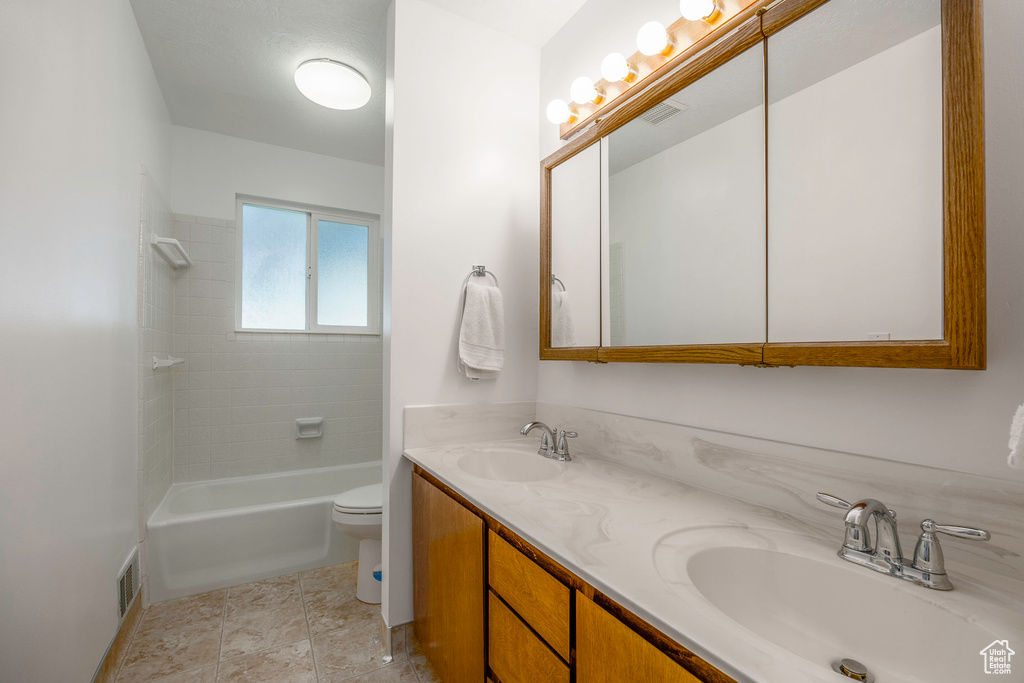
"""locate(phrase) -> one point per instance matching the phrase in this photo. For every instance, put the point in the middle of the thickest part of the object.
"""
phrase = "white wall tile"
(240, 393)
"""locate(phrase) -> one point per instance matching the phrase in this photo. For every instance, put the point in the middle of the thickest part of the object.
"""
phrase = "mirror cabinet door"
(855, 174)
(685, 232)
(575, 287)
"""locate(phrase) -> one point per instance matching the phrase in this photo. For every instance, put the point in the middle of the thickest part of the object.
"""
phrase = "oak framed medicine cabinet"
(963, 321)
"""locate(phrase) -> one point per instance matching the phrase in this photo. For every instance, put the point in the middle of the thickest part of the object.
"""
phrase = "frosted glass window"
(273, 268)
(306, 269)
(343, 262)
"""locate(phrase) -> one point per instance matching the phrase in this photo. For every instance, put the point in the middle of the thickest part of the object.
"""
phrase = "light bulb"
(559, 112)
(695, 10)
(616, 68)
(583, 90)
(652, 38)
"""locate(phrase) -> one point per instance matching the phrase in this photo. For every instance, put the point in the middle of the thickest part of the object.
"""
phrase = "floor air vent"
(127, 584)
(662, 112)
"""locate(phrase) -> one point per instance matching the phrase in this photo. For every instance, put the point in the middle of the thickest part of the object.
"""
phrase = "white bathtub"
(212, 534)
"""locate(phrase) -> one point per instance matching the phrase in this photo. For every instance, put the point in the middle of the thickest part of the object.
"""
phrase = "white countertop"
(603, 522)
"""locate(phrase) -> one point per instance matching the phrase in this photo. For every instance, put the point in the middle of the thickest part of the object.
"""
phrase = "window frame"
(314, 214)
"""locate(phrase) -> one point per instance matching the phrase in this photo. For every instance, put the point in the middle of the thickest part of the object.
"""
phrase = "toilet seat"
(364, 500)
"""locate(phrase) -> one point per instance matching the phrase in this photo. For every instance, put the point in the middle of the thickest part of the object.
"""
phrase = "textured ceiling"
(531, 21)
(227, 65)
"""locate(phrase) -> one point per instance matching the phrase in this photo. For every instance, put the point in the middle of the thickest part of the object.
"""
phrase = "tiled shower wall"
(238, 395)
(156, 321)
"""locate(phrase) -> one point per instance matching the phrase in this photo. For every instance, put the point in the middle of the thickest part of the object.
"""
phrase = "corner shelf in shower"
(171, 249)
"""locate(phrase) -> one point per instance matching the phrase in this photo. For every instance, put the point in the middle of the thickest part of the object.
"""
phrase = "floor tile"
(175, 614)
(250, 632)
(330, 612)
(157, 654)
(208, 674)
(339, 579)
(350, 651)
(417, 658)
(266, 594)
(288, 664)
(395, 673)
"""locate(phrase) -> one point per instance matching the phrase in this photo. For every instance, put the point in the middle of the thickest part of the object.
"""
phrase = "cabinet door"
(608, 651)
(448, 584)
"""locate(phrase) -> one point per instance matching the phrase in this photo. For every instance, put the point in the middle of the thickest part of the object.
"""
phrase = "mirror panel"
(855, 174)
(685, 260)
(576, 251)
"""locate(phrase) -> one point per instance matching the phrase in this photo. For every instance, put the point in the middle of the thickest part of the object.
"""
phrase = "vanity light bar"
(624, 77)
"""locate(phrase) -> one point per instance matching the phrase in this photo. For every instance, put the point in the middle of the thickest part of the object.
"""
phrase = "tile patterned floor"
(301, 628)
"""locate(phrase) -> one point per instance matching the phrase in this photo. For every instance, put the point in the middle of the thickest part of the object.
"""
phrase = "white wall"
(690, 222)
(81, 112)
(207, 169)
(838, 268)
(953, 419)
(463, 190)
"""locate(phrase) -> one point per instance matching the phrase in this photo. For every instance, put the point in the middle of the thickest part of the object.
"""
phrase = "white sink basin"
(509, 464)
(793, 592)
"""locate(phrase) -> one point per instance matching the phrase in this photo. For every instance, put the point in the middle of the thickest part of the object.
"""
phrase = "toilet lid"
(363, 500)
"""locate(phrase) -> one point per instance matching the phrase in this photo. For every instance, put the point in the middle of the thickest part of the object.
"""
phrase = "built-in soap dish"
(309, 428)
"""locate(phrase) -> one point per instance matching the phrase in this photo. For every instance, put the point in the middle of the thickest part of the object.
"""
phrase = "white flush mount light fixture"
(583, 90)
(332, 84)
(616, 68)
(559, 112)
(698, 10)
(652, 39)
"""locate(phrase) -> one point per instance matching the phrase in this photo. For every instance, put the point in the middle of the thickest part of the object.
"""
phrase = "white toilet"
(358, 512)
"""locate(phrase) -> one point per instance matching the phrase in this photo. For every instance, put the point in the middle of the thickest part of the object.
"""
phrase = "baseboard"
(119, 646)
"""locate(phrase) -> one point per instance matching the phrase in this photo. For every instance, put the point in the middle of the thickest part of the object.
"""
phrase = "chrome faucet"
(928, 568)
(553, 442)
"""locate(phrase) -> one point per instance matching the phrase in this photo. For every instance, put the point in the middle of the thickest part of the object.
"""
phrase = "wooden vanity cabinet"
(448, 583)
(540, 622)
(608, 651)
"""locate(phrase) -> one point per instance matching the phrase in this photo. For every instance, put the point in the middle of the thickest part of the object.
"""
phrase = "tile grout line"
(309, 631)
(223, 622)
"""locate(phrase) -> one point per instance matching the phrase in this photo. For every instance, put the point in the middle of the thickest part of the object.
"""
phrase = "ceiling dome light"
(583, 90)
(616, 68)
(695, 10)
(559, 112)
(652, 38)
(332, 84)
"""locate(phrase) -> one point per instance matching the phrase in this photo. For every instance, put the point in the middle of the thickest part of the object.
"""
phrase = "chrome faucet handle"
(562, 446)
(928, 558)
(835, 502)
(964, 532)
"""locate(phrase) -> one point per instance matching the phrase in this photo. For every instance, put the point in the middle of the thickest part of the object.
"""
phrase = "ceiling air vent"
(662, 112)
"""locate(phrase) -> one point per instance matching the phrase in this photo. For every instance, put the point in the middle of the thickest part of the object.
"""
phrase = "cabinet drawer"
(608, 651)
(540, 599)
(515, 654)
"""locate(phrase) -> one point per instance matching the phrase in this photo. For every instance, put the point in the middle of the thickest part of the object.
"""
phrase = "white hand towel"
(482, 336)
(1016, 459)
(563, 330)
